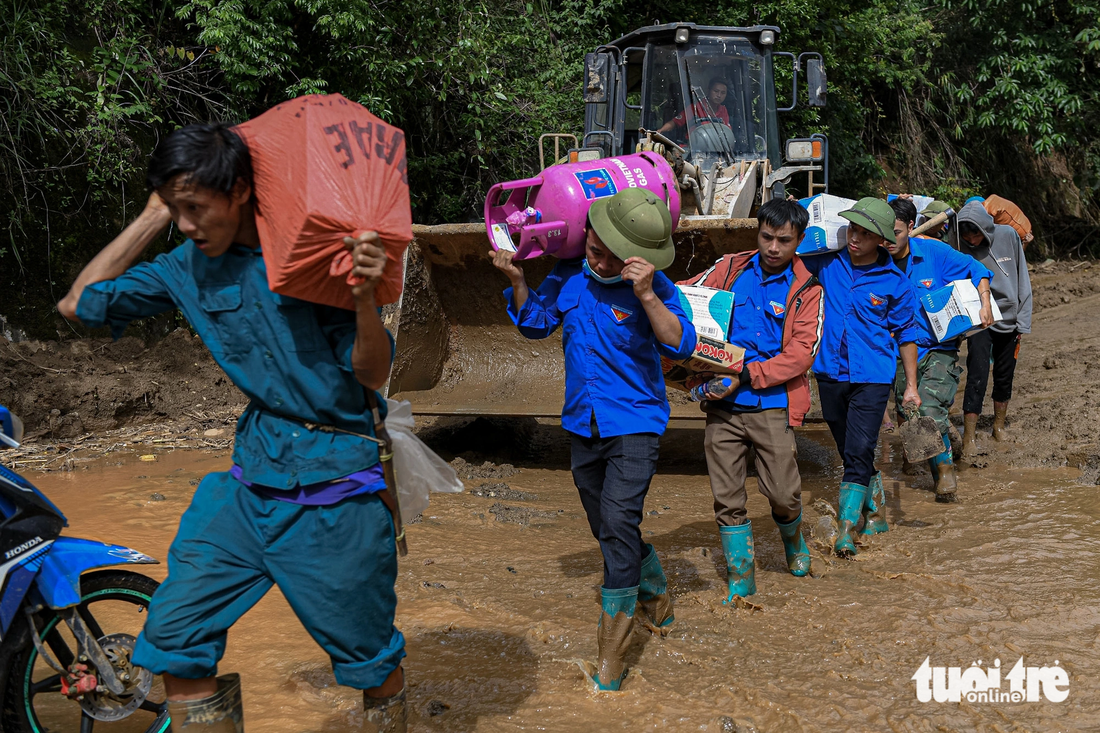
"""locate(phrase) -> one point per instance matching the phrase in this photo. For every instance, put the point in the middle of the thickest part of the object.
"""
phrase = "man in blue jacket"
(304, 506)
(869, 305)
(618, 314)
(930, 265)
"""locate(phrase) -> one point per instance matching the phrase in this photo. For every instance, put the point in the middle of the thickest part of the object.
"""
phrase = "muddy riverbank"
(499, 593)
(499, 597)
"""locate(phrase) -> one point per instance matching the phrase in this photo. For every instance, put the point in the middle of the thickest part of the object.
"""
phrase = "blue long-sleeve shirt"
(759, 307)
(292, 359)
(612, 358)
(931, 265)
(868, 311)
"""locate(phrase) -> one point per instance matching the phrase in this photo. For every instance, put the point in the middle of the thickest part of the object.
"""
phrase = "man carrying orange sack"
(304, 506)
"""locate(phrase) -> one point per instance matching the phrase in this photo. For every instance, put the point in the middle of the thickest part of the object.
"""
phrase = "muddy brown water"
(495, 610)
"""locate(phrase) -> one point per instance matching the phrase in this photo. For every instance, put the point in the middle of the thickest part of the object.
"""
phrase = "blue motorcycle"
(68, 628)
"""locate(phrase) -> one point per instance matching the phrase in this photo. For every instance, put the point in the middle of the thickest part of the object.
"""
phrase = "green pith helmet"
(635, 223)
(936, 207)
(874, 215)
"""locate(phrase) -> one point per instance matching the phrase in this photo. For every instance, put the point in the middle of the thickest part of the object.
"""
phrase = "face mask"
(602, 280)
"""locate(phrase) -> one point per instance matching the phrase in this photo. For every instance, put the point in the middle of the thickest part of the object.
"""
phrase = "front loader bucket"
(458, 352)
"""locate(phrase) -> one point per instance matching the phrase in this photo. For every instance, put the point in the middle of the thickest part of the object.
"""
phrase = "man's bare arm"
(120, 254)
(370, 355)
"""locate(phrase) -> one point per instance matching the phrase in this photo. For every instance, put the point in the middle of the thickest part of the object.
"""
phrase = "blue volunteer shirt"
(867, 310)
(759, 306)
(931, 265)
(292, 359)
(612, 358)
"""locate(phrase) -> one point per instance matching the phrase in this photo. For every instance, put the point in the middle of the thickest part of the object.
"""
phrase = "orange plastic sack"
(325, 168)
(1005, 212)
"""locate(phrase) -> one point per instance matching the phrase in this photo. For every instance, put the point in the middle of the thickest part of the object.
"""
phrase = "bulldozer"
(657, 89)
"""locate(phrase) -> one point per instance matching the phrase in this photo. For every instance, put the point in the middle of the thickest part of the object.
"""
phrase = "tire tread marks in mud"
(17, 649)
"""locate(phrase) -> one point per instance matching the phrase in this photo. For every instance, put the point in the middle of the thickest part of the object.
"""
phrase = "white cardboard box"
(954, 310)
(708, 309)
(826, 231)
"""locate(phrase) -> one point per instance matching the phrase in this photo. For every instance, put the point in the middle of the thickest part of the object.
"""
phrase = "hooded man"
(999, 248)
(618, 315)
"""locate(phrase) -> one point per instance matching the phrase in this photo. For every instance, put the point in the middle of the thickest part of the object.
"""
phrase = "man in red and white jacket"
(778, 314)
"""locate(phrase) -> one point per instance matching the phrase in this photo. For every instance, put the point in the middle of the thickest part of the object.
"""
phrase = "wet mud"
(487, 469)
(499, 595)
(502, 491)
(66, 389)
(1055, 410)
(496, 612)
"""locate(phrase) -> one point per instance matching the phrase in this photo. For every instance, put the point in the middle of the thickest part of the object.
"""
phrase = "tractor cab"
(706, 95)
(704, 99)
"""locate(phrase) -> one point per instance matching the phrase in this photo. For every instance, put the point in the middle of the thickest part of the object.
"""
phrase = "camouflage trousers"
(938, 376)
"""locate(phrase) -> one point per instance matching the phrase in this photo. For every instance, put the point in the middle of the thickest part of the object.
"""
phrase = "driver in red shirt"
(716, 96)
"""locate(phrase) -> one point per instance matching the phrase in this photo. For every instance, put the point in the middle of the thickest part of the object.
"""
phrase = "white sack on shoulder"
(417, 467)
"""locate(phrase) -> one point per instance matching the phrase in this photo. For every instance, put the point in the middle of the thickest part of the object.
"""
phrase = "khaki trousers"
(728, 438)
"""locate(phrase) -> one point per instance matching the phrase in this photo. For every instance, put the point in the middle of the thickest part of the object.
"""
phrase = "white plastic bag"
(417, 468)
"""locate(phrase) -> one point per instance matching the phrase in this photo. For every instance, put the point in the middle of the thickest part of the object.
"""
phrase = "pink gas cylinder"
(548, 212)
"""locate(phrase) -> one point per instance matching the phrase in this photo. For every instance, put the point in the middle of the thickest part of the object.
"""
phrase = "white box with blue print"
(826, 231)
(708, 309)
(955, 310)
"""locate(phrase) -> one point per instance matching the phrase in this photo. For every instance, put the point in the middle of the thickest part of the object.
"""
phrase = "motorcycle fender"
(59, 578)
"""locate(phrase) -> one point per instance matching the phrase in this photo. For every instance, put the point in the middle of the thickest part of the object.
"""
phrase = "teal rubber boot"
(653, 593)
(874, 508)
(740, 560)
(794, 547)
(613, 635)
(852, 497)
(943, 474)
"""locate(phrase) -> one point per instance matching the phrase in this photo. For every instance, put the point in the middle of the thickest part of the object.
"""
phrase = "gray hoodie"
(1002, 252)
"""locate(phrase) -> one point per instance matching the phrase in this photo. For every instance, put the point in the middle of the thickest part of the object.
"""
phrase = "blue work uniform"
(759, 306)
(868, 311)
(613, 382)
(292, 359)
(931, 265)
(612, 358)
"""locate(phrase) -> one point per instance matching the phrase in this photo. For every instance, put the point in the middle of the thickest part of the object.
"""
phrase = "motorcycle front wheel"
(113, 606)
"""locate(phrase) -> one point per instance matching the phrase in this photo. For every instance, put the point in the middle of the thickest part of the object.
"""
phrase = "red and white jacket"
(802, 326)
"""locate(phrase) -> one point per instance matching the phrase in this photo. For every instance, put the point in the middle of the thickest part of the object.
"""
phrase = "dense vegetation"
(950, 98)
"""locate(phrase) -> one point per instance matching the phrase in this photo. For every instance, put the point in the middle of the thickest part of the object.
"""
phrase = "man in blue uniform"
(777, 318)
(930, 264)
(618, 314)
(304, 506)
(869, 305)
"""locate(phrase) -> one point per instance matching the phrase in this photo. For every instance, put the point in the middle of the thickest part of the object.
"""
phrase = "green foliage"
(952, 98)
(85, 87)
